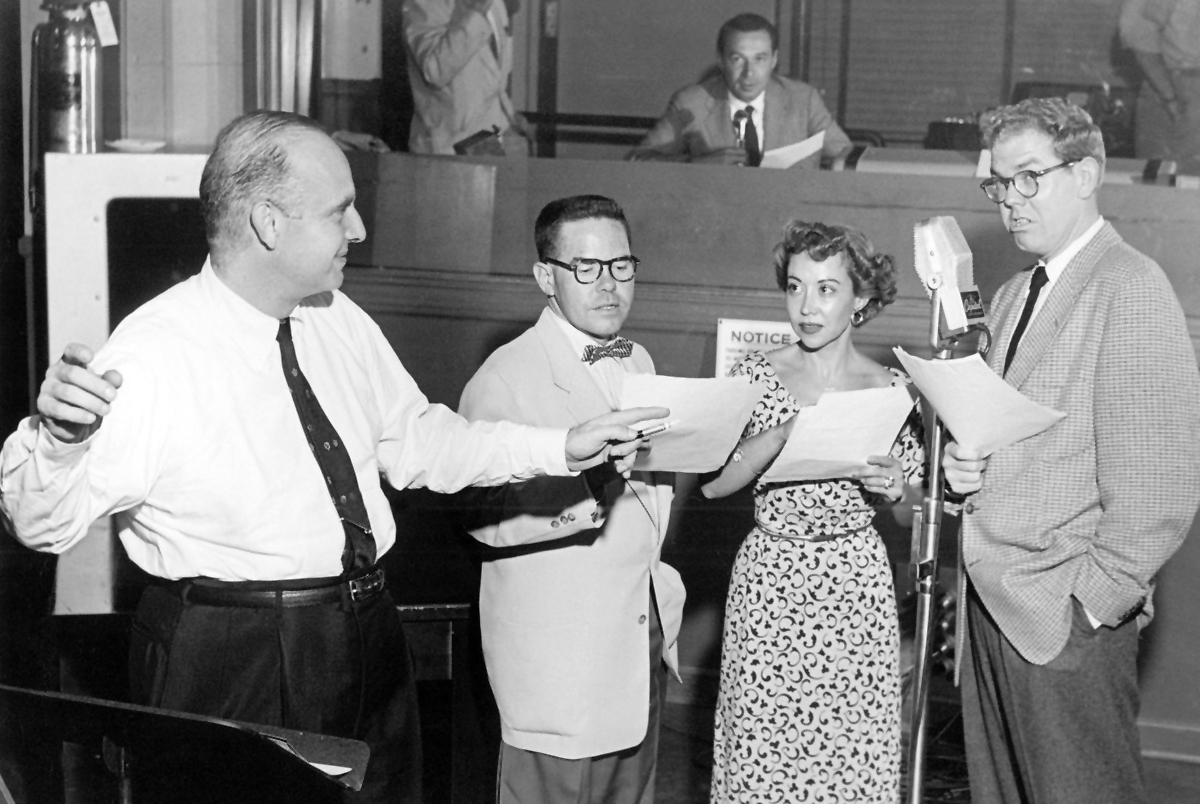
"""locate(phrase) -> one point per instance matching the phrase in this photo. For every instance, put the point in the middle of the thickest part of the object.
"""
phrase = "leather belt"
(215, 593)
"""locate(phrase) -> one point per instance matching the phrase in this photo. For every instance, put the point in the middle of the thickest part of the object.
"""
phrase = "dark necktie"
(333, 458)
(753, 149)
(1036, 282)
(617, 347)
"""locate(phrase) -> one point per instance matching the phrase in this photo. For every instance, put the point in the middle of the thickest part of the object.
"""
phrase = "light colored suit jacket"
(565, 633)
(1092, 507)
(459, 62)
(698, 121)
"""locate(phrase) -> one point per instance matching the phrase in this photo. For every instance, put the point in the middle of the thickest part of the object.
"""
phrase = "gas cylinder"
(66, 81)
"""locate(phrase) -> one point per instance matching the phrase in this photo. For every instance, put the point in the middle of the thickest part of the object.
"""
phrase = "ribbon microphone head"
(943, 261)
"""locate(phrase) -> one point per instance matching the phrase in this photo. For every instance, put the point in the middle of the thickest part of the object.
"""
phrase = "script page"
(980, 409)
(834, 437)
(789, 155)
(706, 421)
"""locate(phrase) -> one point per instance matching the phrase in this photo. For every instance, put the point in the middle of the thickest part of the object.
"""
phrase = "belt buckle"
(366, 586)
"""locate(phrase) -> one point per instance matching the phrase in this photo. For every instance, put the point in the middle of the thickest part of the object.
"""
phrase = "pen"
(658, 428)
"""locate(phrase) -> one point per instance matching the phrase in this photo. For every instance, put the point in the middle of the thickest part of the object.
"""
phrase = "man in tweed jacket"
(1063, 533)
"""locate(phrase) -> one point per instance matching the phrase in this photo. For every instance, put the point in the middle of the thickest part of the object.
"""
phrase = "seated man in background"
(460, 55)
(732, 117)
(578, 614)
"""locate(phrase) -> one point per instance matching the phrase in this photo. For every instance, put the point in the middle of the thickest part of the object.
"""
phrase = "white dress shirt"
(203, 458)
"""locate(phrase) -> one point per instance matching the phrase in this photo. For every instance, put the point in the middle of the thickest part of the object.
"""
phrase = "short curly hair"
(872, 275)
(1072, 130)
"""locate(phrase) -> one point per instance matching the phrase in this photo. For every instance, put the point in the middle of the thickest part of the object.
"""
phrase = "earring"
(857, 318)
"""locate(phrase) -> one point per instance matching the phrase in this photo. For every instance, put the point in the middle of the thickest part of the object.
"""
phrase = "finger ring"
(890, 482)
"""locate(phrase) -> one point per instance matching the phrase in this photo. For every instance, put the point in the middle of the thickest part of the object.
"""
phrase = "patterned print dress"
(809, 704)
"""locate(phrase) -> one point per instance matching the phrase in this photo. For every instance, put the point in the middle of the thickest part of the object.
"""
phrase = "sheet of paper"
(789, 155)
(981, 410)
(708, 417)
(834, 437)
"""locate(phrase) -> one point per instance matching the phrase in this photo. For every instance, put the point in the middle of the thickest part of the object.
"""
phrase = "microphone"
(739, 127)
(943, 261)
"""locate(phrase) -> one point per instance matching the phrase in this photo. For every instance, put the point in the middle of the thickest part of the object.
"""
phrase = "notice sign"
(737, 337)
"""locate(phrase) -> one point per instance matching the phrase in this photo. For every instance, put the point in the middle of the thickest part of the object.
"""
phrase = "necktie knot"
(617, 347)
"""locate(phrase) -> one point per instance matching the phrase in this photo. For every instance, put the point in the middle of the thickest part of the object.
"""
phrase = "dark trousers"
(1060, 733)
(340, 669)
(622, 777)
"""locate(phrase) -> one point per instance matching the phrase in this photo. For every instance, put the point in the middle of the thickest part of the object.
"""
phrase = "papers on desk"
(707, 416)
(789, 155)
(834, 437)
(980, 409)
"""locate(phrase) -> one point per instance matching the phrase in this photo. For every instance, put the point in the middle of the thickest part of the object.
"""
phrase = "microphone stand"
(924, 559)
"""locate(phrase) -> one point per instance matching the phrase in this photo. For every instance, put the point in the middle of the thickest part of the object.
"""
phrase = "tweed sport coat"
(1092, 507)
(698, 120)
(564, 629)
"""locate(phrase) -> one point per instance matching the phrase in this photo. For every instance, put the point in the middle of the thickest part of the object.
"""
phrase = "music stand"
(164, 756)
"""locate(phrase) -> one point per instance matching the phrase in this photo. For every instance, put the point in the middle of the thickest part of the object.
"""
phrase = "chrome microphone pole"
(924, 559)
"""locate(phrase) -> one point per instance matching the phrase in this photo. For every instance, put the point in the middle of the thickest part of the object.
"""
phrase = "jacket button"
(642, 620)
(554, 523)
(570, 517)
(969, 508)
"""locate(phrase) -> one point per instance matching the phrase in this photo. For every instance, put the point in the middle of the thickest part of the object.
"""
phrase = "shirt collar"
(235, 318)
(759, 103)
(1058, 263)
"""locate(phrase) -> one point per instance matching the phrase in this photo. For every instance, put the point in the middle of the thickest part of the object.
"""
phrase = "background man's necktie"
(1036, 282)
(333, 458)
(753, 149)
(617, 347)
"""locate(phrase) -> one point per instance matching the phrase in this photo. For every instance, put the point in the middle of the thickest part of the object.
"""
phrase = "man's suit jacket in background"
(698, 120)
(1093, 506)
(565, 627)
(459, 63)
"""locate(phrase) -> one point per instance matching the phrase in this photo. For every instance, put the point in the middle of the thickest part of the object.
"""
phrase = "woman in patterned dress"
(809, 703)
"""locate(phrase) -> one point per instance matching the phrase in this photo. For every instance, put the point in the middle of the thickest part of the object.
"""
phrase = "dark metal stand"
(164, 756)
(926, 534)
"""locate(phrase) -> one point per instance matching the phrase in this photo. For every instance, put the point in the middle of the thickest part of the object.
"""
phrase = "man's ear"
(1091, 176)
(264, 220)
(544, 274)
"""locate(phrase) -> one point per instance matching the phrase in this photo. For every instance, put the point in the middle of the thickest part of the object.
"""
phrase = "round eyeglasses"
(1026, 182)
(588, 271)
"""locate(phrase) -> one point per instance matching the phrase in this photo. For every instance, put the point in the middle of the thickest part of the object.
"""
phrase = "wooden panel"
(426, 211)
(628, 56)
(919, 61)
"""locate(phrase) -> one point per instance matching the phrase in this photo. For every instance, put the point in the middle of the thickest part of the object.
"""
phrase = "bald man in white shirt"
(237, 426)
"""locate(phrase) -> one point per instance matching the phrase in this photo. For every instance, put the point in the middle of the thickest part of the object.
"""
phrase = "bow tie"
(617, 347)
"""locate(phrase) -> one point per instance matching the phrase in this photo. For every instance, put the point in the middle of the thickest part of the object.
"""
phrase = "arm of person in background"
(1155, 71)
(674, 139)
(46, 492)
(443, 35)
(837, 142)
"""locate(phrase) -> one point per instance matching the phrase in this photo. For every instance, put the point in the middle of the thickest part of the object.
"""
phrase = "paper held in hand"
(980, 409)
(789, 155)
(834, 437)
(707, 419)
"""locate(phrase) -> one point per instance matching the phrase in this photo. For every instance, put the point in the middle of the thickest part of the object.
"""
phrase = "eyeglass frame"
(574, 268)
(993, 181)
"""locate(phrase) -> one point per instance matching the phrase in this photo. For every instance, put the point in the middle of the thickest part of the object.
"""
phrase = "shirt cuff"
(548, 446)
